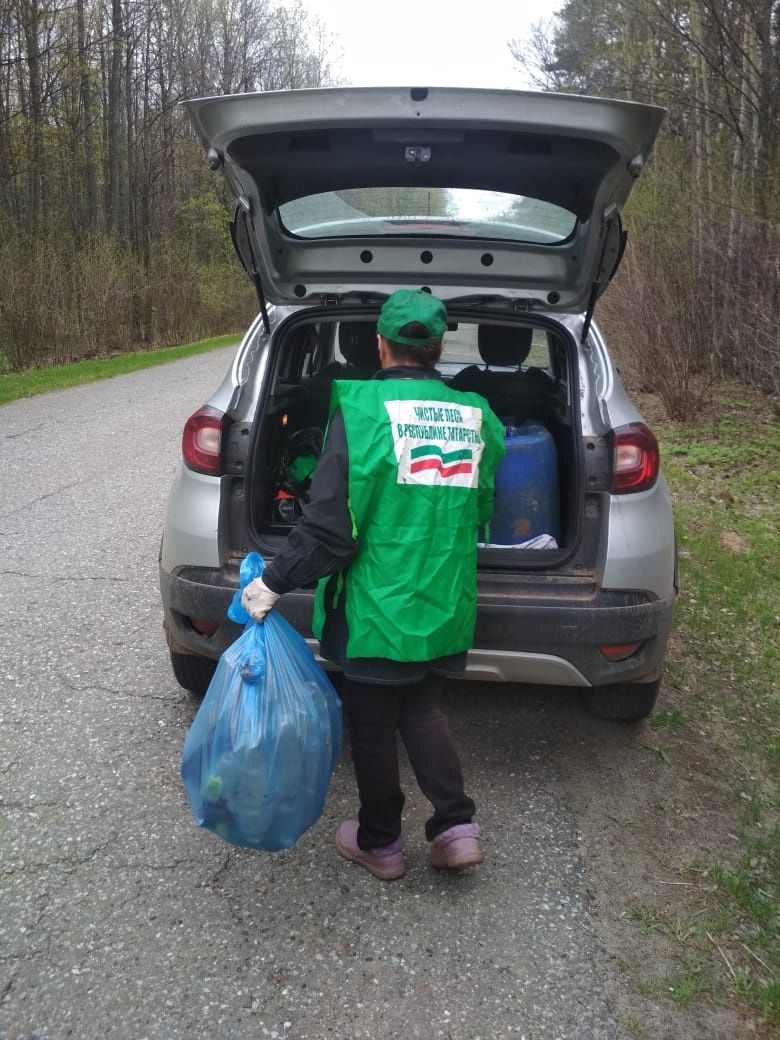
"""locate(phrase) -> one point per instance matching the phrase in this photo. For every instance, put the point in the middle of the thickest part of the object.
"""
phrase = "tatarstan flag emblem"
(447, 463)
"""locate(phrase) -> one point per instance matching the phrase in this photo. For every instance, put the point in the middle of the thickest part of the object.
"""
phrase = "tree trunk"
(704, 191)
(88, 176)
(31, 16)
(7, 165)
(115, 142)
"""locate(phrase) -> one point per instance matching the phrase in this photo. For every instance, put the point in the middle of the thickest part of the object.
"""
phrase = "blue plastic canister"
(527, 499)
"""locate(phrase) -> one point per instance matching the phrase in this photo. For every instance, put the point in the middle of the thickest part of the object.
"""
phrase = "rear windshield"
(461, 212)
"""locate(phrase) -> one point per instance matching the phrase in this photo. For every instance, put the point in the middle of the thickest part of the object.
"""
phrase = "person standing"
(404, 481)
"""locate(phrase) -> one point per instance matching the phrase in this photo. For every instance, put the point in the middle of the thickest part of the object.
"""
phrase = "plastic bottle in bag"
(249, 797)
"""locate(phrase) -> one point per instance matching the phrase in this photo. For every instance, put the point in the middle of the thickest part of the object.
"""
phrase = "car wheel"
(628, 702)
(193, 672)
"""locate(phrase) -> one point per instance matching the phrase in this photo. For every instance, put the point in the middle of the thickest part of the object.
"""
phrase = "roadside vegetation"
(57, 377)
(723, 920)
(698, 295)
(113, 229)
(693, 317)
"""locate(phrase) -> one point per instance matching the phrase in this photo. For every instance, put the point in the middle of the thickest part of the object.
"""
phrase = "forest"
(113, 232)
(698, 294)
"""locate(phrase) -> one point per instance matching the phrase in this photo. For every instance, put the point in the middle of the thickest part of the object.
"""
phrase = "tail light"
(201, 442)
(205, 626)
(619, 651)
(636, 459)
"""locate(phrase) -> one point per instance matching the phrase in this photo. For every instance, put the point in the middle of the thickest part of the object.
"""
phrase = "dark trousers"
(374, 714)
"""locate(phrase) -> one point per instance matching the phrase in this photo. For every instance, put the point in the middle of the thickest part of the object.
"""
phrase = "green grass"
(43, 380)
(725, 480)
(635, 1030)
(658, 752)
(672, 720)
(729, 946)
(684, 987)
(722, 675)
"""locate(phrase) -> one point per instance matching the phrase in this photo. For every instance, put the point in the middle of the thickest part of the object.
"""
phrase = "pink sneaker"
(457, 847)
(386, 863)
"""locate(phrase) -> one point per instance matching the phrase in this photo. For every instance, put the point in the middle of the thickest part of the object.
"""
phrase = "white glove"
(257, 599)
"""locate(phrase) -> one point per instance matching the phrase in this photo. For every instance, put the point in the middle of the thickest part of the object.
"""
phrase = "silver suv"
(507, 205)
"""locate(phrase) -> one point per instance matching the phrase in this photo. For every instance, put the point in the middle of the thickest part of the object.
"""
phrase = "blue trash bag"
(261, 750)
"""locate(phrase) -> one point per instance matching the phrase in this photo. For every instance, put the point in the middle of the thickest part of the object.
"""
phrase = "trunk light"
(619, 651)
(201, 441)
(636, 460)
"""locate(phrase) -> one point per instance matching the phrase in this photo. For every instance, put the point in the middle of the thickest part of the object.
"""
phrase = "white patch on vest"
(436, 442)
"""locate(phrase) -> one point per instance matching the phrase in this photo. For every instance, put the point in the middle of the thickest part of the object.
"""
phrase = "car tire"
(193, 672)
(627, 702)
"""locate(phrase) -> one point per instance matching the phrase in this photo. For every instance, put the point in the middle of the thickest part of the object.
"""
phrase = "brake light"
(201, 442)
(636, 460)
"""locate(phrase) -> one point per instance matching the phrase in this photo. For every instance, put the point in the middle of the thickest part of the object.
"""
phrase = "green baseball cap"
(407, 305)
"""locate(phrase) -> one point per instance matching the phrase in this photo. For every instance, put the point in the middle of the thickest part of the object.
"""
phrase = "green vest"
(422, 460)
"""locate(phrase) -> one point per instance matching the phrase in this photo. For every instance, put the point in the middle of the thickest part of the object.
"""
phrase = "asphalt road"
(119, 918)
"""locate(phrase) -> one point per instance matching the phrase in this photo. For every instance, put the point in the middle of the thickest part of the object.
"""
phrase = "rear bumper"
(522, 640)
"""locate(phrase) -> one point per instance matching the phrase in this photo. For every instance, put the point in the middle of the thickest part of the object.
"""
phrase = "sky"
(428, 42)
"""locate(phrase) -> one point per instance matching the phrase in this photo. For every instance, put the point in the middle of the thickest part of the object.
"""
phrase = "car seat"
(509, 393)
(358, 346)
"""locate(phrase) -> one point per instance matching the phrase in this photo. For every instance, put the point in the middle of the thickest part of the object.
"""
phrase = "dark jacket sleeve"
(321, 543)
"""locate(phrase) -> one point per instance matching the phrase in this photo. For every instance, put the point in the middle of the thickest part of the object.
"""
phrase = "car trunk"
(527, 370)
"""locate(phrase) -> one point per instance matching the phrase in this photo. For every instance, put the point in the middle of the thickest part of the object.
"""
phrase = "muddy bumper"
(516, 640)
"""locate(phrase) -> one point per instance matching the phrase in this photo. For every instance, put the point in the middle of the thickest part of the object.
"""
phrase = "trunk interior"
(528, 374)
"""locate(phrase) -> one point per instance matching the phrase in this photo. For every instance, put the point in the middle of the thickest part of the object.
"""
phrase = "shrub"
(59, 303)
(659, 332)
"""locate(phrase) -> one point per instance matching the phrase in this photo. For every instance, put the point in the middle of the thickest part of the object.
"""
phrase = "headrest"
(357, 343)
(504, 345)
